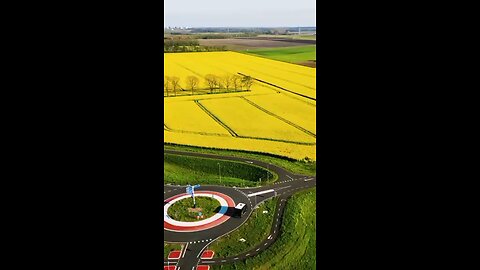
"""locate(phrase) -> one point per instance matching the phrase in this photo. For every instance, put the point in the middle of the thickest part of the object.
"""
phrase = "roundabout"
(226, 204)
(197, 235)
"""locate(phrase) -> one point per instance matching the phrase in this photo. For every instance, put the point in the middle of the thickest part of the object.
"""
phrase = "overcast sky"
(247, 13)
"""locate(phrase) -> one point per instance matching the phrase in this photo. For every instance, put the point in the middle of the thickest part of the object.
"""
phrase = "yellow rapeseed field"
(265, 119)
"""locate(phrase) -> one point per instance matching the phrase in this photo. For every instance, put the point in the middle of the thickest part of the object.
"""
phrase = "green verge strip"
(253, 231)
(296, 246)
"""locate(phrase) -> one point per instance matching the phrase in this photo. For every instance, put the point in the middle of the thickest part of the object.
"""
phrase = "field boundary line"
(279, 117)
(233, 133)
(279, 87)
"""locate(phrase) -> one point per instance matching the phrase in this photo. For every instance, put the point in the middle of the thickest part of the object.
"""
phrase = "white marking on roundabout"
(168, 219)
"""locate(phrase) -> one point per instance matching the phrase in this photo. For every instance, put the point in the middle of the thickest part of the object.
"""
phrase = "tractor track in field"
(279, 117)
(279, 87)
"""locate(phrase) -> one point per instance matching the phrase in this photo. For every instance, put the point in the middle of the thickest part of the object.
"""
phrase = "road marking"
(224, 260)
(269, 237)
(308, 179)
(185, 250)
(257, 249)
(265, 244)
(289, 177)
(282, 188)
(236, 258)
(248, 254)
(260, 193)
(273, 231)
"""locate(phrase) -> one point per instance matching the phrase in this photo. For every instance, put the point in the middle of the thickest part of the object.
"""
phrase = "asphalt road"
(196, 242)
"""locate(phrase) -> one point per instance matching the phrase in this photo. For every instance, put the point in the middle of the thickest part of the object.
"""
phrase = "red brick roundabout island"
(180, 226)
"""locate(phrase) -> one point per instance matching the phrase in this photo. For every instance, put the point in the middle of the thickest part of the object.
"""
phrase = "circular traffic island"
(184, 209)
(179, 215)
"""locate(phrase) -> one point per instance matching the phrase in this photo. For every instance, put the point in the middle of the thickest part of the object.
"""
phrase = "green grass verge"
(179, 210)
(167, 247)
(295, 166)
(288, 54)
(254, 231)
(296, 246)
(184, 170)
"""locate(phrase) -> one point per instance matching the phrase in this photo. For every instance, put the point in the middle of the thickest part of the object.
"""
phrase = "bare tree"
(236, 82)
(192, 82)
(211, 81)
(227, 81)
(166, 84)
(247, 81)
(175, 81)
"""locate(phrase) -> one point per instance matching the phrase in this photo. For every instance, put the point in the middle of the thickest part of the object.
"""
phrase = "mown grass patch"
(296, 246)
(254, 231)
(180, 210)
(185, 170)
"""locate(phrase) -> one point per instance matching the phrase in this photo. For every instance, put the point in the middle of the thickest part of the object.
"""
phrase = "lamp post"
(219, 174)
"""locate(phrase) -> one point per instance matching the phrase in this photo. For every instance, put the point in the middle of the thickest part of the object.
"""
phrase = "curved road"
(196, 242)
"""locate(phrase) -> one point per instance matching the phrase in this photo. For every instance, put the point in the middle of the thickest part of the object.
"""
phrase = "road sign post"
(191, 190)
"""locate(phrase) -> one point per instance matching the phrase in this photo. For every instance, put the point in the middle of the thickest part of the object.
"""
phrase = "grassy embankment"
(186, 170)
(298, 167)
(296, 246)
(254, 231)
(296, 54)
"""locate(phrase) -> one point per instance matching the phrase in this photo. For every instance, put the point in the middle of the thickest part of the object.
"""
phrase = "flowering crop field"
(275, 115)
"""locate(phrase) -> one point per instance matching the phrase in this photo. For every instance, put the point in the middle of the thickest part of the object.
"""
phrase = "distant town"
(258, 30)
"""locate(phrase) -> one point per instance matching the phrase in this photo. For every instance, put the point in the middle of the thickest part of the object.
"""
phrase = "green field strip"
(216, 119)
(279, 87)
(279, 117)
(283, 61)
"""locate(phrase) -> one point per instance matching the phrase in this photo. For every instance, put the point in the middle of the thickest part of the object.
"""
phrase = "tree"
(227, 81)
(175, 81)
(211, 81)
(236, 82)
(192, 82)
(247, 81)
(166, 84)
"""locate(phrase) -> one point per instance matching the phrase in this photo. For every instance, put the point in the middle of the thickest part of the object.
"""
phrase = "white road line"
(282, 188)
(236, 258)
(273, 231)
(248, 254)
(186, 246)
(265, 244)
(257, 249)
(260, 193)
(269, 237)
(224, 260)
(289, 177)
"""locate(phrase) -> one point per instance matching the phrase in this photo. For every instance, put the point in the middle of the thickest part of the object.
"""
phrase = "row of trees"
(212, 82)
(188, 45)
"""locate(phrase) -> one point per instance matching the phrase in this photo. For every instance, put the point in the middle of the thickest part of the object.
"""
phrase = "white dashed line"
(257, 249)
